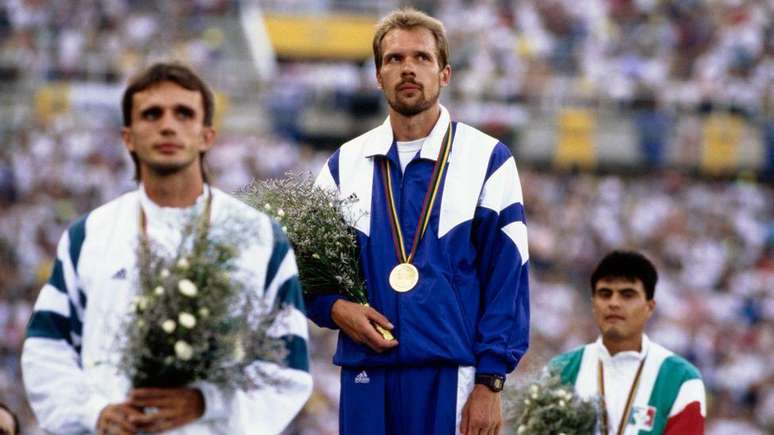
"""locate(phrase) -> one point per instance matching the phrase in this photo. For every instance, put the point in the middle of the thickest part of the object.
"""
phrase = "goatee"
(407, 109)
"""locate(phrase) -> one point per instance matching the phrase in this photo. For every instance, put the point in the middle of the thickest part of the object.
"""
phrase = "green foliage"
(193, 319)
(548, 407)
(323, 240)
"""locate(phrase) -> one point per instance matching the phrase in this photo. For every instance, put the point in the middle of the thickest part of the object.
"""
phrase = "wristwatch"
(493, 382)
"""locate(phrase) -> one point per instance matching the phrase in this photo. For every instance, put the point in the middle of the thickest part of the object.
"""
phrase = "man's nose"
(168, 123)
(407, 67)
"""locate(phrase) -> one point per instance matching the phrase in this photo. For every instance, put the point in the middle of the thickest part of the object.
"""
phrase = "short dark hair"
(16, 425)
(174, 72)
(629, 265)
(178, 74)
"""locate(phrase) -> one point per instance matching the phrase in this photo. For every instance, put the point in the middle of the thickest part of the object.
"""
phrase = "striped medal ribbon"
(629, 399)
(405, 275)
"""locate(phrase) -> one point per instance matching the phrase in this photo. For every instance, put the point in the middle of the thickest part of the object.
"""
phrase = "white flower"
(284, 229)
(315, 256)
(168, 326)
(164, 273)
(561, 403)
(187, 320)
(141, 302)
(526, 401)
(183, 350)
(267, 206)
(280, 212)
(533, 389)
(183, 263)
(204, 312)
(187, 287)
(239, 351)
(562, 433)
(522, 429)
(158, 291)
(534, 395)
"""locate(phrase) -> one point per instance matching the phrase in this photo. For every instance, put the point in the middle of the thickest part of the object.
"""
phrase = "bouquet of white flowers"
(548, 407)
(324, 243)
(191, 321)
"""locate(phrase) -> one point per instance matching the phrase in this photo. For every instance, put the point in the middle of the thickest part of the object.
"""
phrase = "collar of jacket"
(382, 139)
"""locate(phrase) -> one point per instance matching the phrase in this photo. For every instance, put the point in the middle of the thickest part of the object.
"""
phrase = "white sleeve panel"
(503, 188)
(268, 410)
(325, 179)
(691, 391)
(517, 232)
(57, 389)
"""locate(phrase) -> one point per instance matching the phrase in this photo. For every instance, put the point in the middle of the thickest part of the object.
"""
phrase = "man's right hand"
(357, 321)
(115, 419)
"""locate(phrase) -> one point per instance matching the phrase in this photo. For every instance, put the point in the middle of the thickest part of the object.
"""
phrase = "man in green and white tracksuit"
(645, 388)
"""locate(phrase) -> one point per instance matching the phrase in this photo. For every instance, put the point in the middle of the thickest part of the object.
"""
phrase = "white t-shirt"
(407, 151)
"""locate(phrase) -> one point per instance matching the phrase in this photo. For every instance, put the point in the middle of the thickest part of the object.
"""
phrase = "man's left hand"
(482, 414)
(173, 407)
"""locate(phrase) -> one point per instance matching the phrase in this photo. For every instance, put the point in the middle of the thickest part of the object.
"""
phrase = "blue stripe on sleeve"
(290, 294)
(57, 277)
(278, 253)
(77, 234)
(500, 155)
(512, 213)
(298, 354)
(48, 324)
(333, 167)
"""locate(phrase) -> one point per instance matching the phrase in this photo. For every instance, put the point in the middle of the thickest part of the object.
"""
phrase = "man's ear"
(652, 305)
(378, 79)
(445, 75)
(208, 138)
(126, 137)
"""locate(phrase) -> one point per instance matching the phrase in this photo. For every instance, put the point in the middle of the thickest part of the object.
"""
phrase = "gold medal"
(404, 277)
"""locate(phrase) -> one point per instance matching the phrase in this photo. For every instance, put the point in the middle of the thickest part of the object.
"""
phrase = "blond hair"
(408, 18)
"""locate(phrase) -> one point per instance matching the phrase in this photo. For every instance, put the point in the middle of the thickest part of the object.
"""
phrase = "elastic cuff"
(215, 406)
(490, 364)
(92, 409)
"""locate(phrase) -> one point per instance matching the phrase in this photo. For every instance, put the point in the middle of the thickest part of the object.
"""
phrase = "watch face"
(497, 384)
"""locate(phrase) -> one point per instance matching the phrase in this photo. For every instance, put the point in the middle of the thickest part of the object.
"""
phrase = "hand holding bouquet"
(192, 320)
(319, 227)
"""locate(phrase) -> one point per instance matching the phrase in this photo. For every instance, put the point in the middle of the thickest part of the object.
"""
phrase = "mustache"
(409, 82)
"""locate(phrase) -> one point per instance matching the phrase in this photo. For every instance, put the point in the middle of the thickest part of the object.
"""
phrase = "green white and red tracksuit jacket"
(670, 398)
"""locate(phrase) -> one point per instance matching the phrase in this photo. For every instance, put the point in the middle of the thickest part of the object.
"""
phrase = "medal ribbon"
(427, 204)
(629, 398)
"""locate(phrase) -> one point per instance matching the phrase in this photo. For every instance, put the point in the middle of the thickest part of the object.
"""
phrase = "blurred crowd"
(713, 241)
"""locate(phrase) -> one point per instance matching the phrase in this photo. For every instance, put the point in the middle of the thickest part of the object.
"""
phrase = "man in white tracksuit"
(71, 351)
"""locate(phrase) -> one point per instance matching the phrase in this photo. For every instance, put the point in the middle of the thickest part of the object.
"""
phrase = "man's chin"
(166, 169)
(410, 109)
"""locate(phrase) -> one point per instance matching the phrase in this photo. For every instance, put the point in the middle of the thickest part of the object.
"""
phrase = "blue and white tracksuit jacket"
(72, 347)
(470, 307)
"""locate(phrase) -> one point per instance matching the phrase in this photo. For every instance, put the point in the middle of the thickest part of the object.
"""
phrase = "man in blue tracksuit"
(443, 248)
